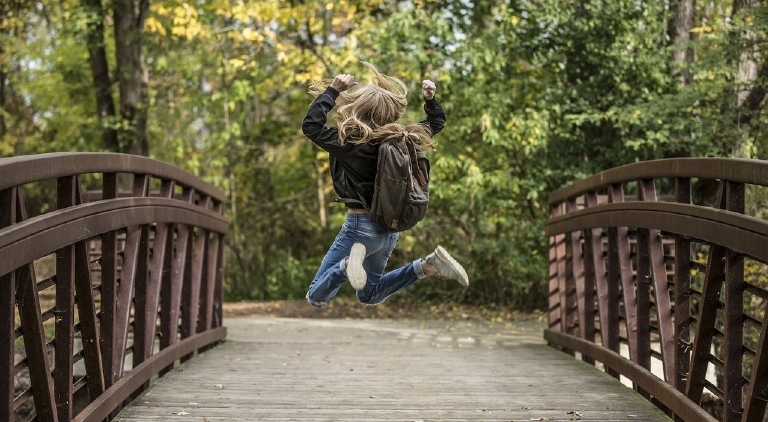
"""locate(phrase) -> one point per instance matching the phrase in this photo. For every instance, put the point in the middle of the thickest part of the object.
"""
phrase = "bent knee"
(366, 299)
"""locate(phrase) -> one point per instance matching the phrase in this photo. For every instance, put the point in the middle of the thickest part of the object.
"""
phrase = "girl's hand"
(428, 88)
(343, 82)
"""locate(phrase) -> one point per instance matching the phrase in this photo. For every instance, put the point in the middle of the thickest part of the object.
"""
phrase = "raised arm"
(435, 114)
(314, 122)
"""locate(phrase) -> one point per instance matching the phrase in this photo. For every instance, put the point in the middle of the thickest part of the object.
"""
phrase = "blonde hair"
(369, 112)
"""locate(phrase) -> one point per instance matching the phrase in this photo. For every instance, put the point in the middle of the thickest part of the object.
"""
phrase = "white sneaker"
(447, 266)
(355, 271)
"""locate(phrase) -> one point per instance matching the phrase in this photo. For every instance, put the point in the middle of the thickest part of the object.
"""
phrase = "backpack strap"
(410, 148)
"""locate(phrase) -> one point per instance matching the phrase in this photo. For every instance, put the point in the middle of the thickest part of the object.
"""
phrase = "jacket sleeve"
(435, 115)
(313, 125)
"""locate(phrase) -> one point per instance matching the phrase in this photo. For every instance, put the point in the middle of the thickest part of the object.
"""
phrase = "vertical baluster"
(133, 268)
(658, 275)
(191, 291)
(710, 296)
(28, 301)
(584, 288)
(620, 271)
(733, 314)
(166, 291)
(171, 305)
(682, 312)
(86, 308)
(757, 395)
(643, 279)
(7, 314)
(65, 308)
(205, 319)
(607, 293)
(556, 314)
(560, 256)
(566, 317)
(145, 320)
(108, 287)
(218, 292)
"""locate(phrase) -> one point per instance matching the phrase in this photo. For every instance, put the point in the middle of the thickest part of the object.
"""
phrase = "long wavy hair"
(369, 112)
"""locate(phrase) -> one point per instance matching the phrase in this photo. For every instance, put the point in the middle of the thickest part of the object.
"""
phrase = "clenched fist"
(428, 88)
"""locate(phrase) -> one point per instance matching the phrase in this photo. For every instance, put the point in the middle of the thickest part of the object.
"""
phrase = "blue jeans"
(379, 243)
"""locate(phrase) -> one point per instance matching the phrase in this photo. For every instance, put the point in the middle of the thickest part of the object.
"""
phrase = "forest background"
(538, 93)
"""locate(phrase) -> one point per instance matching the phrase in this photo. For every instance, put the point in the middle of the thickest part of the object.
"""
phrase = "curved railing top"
(16, 171)
(733, 169)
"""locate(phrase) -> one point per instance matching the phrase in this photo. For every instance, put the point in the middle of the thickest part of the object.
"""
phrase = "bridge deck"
(302, 369)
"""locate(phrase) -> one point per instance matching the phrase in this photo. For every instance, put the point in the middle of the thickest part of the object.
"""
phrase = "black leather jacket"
(353, 166)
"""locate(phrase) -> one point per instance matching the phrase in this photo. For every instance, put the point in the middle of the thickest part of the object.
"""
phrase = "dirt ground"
(349, 307)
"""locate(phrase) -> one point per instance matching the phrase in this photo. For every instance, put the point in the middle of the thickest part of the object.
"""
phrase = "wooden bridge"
(651, 284)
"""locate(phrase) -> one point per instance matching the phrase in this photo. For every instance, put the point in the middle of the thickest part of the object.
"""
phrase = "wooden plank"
(274, 369)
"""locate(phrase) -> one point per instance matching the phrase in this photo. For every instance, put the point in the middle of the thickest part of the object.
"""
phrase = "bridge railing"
(98, 297)
(647, 286)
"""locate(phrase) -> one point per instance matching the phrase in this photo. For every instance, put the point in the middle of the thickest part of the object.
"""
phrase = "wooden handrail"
(617, 255)
(137, 274)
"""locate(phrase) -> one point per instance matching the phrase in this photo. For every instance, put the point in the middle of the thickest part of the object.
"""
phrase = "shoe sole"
(355, 271)
(445, 256)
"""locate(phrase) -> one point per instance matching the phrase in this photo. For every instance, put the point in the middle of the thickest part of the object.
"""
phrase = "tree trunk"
(747, 98)
(681, 38)
(749, 104)
(129, 16)
(3, 76)
(97, 56)
(3, 128)
(747, 67)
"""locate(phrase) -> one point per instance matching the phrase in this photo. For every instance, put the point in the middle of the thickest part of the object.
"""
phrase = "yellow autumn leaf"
(153, 25)
(700, 29)
(180, 31)
(237, 63)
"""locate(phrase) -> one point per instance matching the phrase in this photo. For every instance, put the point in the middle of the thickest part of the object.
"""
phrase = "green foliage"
(537, 94)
